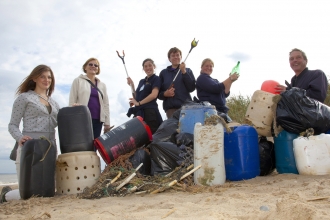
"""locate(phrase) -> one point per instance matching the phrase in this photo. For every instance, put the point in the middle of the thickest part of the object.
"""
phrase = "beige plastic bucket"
(75, 171)
(259, 112)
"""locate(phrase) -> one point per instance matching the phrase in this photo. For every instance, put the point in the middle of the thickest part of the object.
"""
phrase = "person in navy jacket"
(211, 90)
(314, 82)
(145, 102)
(175, 95)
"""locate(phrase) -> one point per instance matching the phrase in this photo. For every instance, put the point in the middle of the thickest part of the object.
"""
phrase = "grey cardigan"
(37, 121)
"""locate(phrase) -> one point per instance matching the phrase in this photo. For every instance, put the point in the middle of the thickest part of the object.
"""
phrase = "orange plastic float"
(269, 86)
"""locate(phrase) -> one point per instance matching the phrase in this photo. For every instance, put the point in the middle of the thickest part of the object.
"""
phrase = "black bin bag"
(296, 112)
(267, 156)
(165, 157)
(141, 156)
(165, 130)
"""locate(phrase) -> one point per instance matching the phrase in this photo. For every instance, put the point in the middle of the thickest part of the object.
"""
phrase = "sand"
(278, 196)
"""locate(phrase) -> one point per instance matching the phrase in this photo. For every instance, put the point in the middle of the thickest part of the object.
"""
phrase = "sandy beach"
(277, 196)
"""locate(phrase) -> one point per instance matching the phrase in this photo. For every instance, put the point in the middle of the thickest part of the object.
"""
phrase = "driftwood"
(170, 212)
(318, 198)
(129, 178)
(170, 184)
(114, 179)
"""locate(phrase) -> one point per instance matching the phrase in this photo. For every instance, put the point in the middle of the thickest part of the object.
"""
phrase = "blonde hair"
(207, 60)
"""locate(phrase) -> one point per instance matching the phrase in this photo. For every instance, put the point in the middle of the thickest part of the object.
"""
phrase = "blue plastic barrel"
(242, 153)
(191, 114)
(284, 157)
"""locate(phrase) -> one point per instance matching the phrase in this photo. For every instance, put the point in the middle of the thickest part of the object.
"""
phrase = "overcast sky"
(64, 34)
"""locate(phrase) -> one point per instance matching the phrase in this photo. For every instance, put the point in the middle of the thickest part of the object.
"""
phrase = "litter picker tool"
(132, 88)
(193, 44)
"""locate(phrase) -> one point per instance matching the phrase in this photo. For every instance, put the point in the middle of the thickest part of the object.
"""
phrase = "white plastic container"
(259, 112)
(312, 154)
(209, 152)
(75, 171)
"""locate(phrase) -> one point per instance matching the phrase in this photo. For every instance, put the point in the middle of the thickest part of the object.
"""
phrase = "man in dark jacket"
(175, 95)
(314, 82)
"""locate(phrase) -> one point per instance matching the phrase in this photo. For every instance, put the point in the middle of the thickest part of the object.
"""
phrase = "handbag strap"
(95, 87)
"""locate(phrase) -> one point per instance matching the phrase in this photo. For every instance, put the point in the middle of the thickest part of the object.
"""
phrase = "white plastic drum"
(209, 152)
(259, 112)
(312, 154)
(75, 171)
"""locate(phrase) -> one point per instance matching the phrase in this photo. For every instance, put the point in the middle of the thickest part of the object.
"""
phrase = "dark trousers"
(150, 117)
(170, 112)
(97, 127)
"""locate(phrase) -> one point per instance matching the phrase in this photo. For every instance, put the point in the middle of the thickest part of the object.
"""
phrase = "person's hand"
(183, 68)
(23, 140)
(130, 81)
(280, 88)
(75, 104)
(170, 92)
(107, 128)
(233, 77)
(132, 101)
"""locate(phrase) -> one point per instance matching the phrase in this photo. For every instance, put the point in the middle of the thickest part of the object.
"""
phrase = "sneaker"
(4, 190)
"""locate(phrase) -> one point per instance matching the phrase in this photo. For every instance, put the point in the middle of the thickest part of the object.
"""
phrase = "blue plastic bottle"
(191, 114)
(284, 157)
(241, 153)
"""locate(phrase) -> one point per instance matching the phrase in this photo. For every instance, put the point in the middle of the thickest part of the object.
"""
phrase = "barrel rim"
(148, 130)
(102, 151)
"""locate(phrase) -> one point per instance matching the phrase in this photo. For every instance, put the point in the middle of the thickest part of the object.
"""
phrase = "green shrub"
(237, 107)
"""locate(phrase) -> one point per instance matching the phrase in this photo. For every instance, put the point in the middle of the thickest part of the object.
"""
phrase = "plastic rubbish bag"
(186, 139)
(164, 157)
(165, 130)
(296, 112)
(141, 156)
(267, 156)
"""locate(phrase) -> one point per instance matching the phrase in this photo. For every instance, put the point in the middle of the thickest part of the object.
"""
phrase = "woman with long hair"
(38, 111)
(146, 94)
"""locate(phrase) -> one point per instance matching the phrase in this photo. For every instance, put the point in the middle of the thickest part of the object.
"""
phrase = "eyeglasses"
(91, 64)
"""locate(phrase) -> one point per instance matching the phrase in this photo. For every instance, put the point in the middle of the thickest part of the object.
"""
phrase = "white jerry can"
(312, 154)
(209, 152)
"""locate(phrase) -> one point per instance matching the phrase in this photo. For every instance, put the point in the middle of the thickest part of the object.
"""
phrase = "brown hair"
(148, 59)
(173, 50)
(207, 60)
(29, 84)
(302, 52)
(89, 60)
